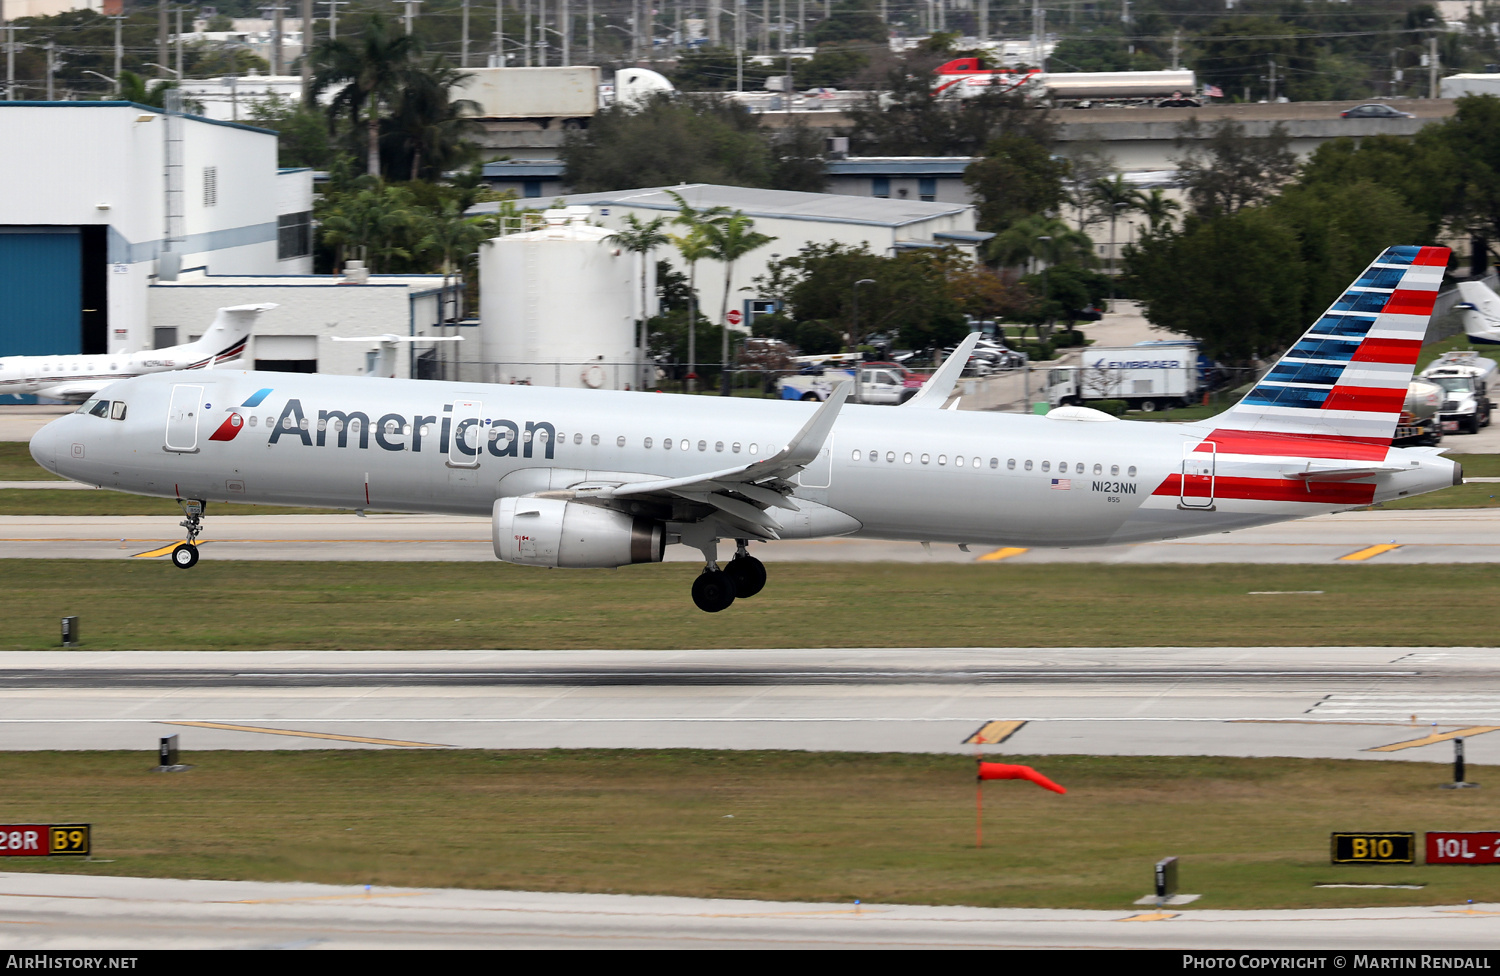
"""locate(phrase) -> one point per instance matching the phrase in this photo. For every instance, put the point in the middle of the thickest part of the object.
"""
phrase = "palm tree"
(1041, 239)
(1114, 197)
(134, 88)
(370, 218)
(373, 67)
(1158, 209)
(428, 124)
(642, 238)
(694, 246)
(731, 239)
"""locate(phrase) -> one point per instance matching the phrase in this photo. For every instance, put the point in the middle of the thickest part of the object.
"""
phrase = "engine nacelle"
(573, 535)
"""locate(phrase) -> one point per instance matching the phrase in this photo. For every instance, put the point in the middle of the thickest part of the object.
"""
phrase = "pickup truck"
(881, 383)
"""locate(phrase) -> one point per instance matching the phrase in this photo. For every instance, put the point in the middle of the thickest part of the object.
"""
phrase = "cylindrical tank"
(558, 306)
(1119, 84)
(1422, 399)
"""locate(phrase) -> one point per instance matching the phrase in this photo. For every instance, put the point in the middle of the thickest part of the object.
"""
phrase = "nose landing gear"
(185, 556)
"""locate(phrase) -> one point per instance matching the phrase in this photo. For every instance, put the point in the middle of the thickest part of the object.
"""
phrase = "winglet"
(804, 448)
(940, 384)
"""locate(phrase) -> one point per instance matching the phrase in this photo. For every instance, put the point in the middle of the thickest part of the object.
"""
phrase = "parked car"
(1374, 110)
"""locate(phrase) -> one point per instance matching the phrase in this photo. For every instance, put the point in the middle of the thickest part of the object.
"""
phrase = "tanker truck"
(1419, 423)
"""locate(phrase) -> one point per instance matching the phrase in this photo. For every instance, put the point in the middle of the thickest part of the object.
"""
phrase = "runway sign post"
(1166, 878)
(45, 840)
(1458, 769)
(70, 631)
(1373, 848)
(166, 754)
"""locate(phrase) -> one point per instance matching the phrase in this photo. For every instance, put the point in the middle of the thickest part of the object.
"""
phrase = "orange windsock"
(988, 770)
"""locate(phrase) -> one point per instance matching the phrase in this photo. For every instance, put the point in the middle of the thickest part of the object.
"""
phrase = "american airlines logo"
(398, 432)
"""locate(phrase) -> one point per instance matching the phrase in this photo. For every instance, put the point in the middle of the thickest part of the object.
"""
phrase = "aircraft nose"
(44, 445)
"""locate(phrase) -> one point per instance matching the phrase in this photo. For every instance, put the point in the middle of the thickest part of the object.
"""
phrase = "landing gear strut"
(185, 556)
(748, 573)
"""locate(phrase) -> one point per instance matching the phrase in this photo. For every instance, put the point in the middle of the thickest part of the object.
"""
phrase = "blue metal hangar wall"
(103, 199)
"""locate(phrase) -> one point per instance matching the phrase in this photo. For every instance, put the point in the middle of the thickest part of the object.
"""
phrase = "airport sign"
(1374, 848)
(1463, 847)
(44, 840)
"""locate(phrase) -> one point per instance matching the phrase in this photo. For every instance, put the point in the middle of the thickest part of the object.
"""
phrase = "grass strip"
(253, 605)
(814, 826)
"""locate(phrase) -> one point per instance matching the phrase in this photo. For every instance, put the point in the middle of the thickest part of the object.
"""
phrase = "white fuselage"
(63, 375)
(894, 473)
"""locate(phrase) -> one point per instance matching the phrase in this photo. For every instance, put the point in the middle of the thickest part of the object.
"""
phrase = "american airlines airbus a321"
(78, 377)
(582, 478)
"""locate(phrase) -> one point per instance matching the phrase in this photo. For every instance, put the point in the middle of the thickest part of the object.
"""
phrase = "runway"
(1307, 702)
(1421, 536)
(105, 914)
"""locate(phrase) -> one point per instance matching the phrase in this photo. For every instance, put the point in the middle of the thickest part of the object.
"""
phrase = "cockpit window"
(87, 406)
(101, 409)
(117, 410)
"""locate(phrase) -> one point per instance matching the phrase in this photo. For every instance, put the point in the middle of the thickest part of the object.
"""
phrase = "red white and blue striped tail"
(1344, 382)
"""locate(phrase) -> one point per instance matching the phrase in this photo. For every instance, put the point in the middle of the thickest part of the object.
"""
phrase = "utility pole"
(178, 46)
(565, 14)
(526, 48)
(1432, 67)
(715, 14)
(1038, 31)
(739, 45)
(500, 33)
(541, 33)
(589, 28)
(410, 12)
(51, 66)
(765, 27)
(463, 45)
(1176, 49)
(333, 16)
(276, 28)
(161, 38)
(1272, 80)
(10, 62)
(984, 20)
(307, 49)
(119, 48)
(801, 20)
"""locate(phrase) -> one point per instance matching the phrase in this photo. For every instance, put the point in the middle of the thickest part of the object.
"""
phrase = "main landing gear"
(185, 556)
(744, 576)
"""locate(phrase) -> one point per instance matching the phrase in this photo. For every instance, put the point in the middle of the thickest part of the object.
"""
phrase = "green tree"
(1231, 282)
(642, 237)
(428, 127)
(1015, 178)
(450, 237)
(134, 88)
(731, 239)
(1044, 239)
(666, 142)
(1225, 169)
(301, 133)
(910, 121)
(1159, 210)
(372, 67)
(851, 20)
(371, 218)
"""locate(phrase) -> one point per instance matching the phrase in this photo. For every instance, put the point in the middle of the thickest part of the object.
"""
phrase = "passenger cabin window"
(648, 443)
(1011, 465)
(1046, 465)
(1028, 465)
(1098, 469)
(1114, 470)
(1132, 471)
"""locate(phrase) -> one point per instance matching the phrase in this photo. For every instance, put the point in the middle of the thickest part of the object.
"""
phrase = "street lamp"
(854, 333)
(1046, 289)
(98, 74)
(153, 64)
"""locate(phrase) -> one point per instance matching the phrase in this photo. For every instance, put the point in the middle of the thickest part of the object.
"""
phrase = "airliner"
(1479, 311)
(75, 378)
(595, 478)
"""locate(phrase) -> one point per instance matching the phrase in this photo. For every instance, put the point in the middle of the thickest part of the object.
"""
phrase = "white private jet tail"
(1480, 312)
(225, 339)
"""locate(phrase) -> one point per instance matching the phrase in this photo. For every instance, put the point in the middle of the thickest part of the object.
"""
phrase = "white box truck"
(1148, 376)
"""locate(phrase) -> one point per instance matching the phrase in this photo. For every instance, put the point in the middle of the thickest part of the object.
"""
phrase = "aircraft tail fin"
(1479, 309)
(226, 337)
(1344, 382)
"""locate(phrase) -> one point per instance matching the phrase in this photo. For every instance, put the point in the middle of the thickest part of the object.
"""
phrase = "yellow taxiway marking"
(999, 554)
(1465, 911)
(1150, 917)
(1369, 552)
(1428, 740)
(993, 733)
(164, 550)
(283, 901)
(311, 735)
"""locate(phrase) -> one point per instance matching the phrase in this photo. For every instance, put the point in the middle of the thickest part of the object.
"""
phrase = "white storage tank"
(558, 306)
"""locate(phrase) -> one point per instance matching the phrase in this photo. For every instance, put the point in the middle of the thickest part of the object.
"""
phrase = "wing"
(740, 498)
(940, 384)
(75, 392)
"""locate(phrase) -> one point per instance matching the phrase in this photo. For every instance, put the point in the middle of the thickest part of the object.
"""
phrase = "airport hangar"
(125, 226)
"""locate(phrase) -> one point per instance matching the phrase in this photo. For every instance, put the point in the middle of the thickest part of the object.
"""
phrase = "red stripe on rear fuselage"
(1299, 445)
(1273, 490)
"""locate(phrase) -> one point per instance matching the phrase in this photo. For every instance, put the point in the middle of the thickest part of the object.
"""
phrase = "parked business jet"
(78, 377)
(584, 478)
(1479, 311)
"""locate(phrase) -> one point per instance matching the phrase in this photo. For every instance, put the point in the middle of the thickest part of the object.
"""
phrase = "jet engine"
(573, 535)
